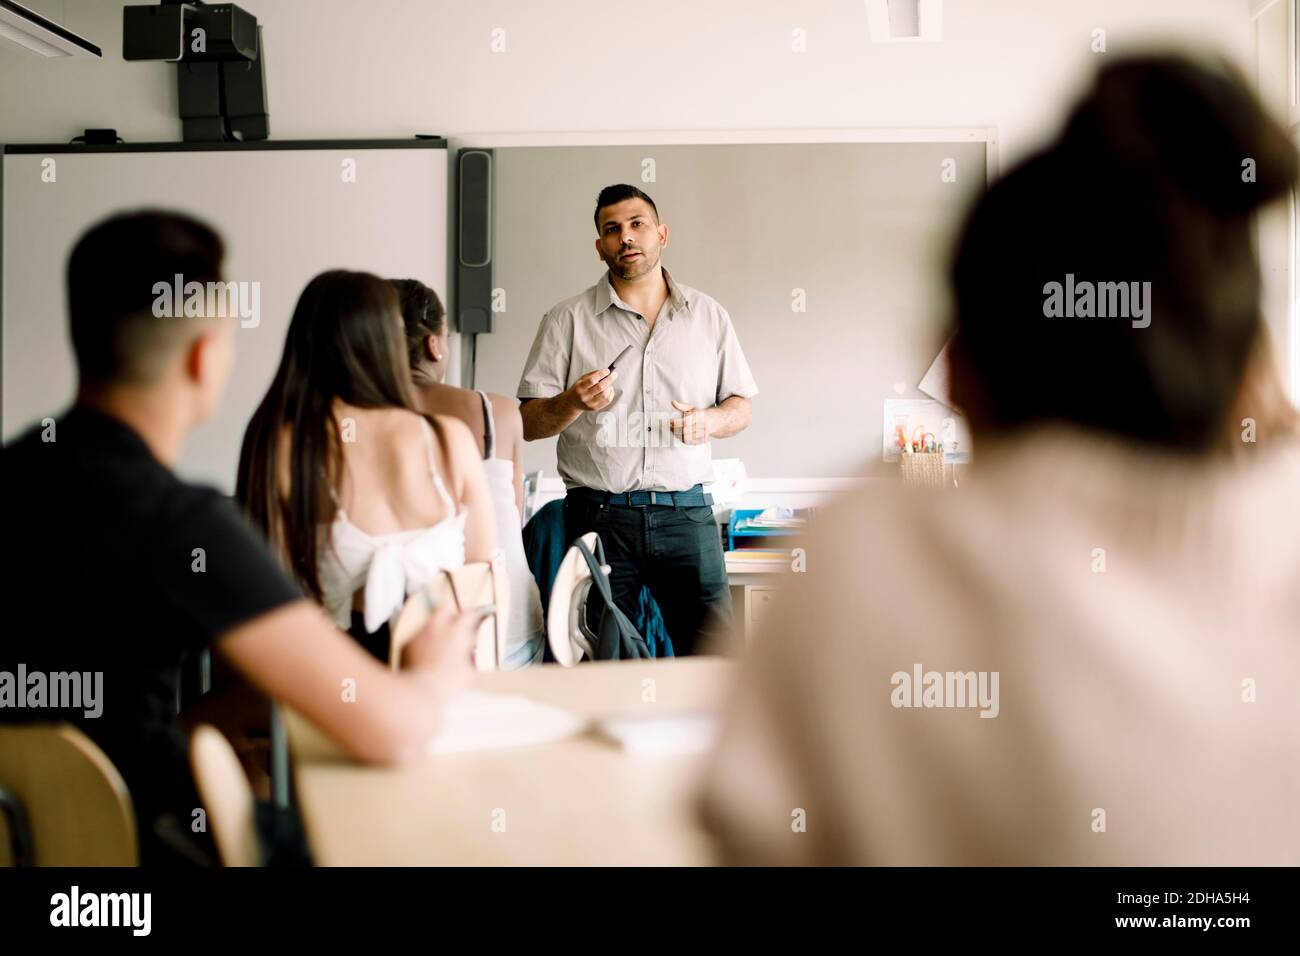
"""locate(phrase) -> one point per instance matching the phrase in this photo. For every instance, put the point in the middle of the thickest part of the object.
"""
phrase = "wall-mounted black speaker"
(474, 242)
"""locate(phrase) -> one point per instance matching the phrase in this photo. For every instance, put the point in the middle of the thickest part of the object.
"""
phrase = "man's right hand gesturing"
(544, 417)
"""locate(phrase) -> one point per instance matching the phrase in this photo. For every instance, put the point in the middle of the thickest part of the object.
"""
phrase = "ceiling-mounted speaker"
(474, 241)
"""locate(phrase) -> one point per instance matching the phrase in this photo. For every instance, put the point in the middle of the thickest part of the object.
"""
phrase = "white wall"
(340, 68)
(395, 67)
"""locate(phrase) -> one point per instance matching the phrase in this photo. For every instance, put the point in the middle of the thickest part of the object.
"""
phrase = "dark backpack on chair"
(600, 621)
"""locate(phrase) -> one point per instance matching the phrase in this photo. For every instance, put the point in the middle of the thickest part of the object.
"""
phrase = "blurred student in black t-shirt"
(122, 568)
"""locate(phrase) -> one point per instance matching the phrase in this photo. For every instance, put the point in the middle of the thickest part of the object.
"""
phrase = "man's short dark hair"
(111, 277)
(611, 195)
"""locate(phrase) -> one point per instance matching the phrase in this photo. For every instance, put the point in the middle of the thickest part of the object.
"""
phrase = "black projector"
(220, 62)
(189, 31)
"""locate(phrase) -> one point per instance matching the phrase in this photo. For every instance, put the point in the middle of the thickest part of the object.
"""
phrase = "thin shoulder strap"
(430, 435)
(489, 428)
(329, 486)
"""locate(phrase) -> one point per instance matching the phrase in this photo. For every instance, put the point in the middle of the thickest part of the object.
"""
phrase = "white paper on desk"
(680, 733)
(729, 482)
(478, 720)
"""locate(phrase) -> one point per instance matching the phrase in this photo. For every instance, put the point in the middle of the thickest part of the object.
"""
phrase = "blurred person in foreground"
(1089, 654)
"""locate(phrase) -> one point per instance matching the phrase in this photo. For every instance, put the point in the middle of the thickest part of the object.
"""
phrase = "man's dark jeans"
(676, 552)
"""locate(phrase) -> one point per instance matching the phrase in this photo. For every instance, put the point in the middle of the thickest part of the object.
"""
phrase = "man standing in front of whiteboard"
(634, 440)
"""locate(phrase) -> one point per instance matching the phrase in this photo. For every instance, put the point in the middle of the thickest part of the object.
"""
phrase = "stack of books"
(758, 528)
(759, 554)
(760, 559)
(772, 519)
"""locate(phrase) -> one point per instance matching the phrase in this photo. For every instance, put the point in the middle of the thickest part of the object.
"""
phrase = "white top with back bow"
(389, 567)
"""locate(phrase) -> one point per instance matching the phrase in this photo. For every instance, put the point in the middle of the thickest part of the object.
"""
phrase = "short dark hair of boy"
(112, 273)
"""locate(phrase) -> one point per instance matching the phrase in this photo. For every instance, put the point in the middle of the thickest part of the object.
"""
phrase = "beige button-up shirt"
(692, 355)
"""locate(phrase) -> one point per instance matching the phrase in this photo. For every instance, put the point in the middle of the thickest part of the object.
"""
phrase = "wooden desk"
(581, 801)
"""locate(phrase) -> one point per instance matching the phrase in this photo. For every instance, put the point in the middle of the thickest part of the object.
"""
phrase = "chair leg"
(279, 760)
(20, 831)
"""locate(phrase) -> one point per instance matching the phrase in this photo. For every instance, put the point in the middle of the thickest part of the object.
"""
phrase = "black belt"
(690, 498)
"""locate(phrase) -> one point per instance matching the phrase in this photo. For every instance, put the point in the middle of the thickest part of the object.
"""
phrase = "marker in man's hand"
(621, 355)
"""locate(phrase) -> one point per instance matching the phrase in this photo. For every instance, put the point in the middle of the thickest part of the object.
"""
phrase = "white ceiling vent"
(904, 21)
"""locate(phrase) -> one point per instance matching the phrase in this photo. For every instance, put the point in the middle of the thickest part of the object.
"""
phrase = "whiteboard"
(830, 257)
(286, 211)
